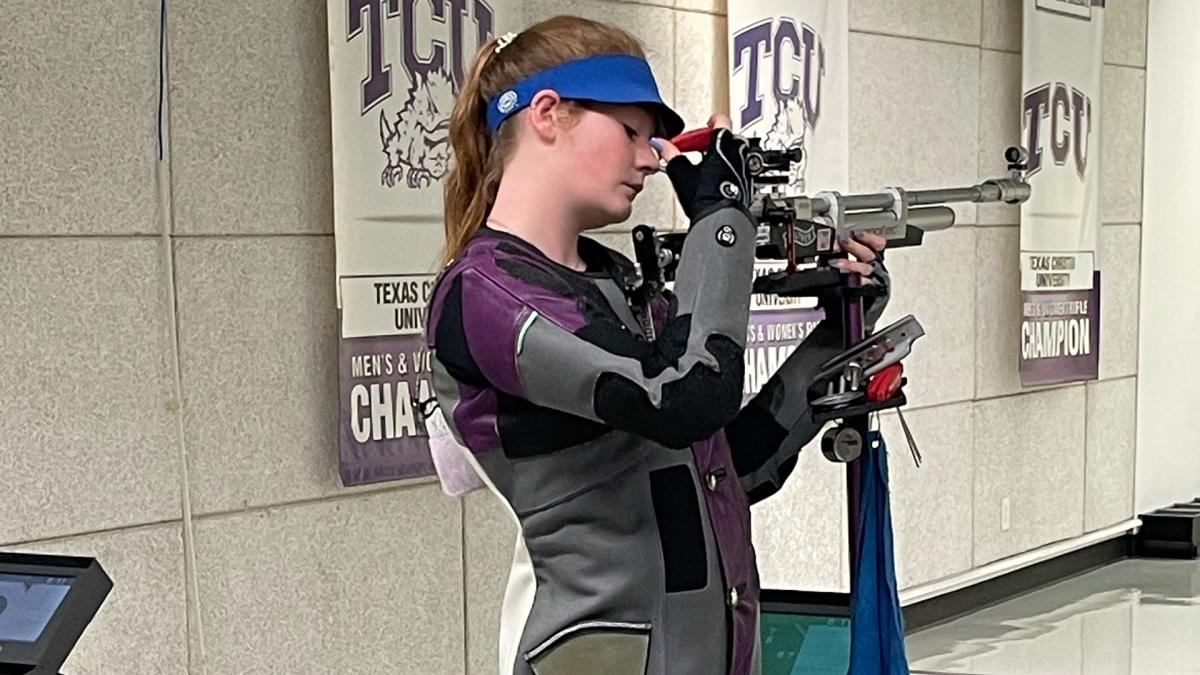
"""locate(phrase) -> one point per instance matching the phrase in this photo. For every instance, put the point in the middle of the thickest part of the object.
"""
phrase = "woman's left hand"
(864, 249)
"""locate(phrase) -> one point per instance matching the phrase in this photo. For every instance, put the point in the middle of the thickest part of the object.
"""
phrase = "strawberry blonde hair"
(478, 158)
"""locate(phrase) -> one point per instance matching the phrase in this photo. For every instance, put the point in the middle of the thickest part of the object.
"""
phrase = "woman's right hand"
(721, 175)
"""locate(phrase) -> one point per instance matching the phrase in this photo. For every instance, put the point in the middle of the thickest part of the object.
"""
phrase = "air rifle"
(799, 232)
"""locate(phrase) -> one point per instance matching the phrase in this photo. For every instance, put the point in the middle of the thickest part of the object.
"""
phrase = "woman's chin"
(621, 212)
(609, 216)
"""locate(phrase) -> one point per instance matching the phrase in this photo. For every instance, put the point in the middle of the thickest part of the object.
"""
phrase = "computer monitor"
(27, 603)
(804, 633)
(46, 602)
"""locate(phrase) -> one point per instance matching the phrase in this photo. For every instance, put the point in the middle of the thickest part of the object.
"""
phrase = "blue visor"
(605, 78)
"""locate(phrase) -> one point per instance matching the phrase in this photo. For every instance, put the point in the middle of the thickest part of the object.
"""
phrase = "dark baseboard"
(955, 604)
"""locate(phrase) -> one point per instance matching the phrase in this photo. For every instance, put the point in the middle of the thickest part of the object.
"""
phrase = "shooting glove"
(720, 179)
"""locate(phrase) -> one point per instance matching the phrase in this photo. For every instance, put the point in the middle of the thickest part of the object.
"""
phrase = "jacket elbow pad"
(691, 408)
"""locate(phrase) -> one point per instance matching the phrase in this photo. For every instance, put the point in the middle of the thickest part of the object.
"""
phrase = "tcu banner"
(1060, 224)
(777, 327)
(788, 87)
(395, 68)
(788, 84)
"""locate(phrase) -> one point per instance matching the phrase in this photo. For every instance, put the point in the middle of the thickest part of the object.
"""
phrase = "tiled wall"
(217, 507)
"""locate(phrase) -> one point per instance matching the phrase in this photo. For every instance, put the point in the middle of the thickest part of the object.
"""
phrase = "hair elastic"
(504, 41)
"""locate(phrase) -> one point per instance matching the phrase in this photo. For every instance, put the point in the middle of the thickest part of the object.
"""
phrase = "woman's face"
(606, 160)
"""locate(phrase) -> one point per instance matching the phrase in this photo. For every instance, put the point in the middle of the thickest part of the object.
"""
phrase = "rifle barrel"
(1009, 190)
(974, 193)
(879, 200)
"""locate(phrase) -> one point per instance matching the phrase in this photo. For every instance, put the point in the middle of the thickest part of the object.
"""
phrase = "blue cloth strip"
(876, 621)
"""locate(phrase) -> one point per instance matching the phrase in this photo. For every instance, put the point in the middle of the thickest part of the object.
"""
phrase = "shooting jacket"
(615, 434)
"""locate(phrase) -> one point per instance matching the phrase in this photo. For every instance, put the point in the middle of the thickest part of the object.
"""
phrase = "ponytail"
(468, 191)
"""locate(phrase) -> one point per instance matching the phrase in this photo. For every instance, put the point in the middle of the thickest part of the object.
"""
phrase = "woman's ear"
(544, 112)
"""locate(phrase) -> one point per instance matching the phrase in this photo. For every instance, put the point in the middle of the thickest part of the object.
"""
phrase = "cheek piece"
(604, 78)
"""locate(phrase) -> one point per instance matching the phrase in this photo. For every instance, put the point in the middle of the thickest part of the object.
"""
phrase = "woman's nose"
(646, 159)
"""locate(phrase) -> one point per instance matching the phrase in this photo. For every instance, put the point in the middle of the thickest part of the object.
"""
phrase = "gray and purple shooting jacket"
(615, 434)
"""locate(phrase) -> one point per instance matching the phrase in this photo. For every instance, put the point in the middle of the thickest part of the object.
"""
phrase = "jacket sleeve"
(679, 388)
(767, 435)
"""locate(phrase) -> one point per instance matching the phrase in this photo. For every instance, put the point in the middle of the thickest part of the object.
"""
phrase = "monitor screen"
(27, 602)
(804, 644)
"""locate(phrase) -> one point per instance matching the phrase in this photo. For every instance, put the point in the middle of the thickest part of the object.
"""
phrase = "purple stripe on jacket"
(492, 320)
(729, 513)
(495, 307)
(475, 418)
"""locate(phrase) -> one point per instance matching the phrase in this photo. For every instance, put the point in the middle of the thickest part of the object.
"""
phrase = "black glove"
(720, 179)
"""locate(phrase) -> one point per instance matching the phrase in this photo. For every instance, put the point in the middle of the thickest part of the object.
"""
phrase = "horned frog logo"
(417, 144)
(787, 132)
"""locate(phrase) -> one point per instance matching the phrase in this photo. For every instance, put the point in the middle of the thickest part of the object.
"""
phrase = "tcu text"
(807, 57)
(370, 15)
(1070, 128)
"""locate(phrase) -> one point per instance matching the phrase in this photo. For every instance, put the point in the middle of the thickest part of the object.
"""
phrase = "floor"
(1133, 617)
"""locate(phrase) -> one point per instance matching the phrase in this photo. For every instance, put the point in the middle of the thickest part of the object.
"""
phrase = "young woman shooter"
(612, 429)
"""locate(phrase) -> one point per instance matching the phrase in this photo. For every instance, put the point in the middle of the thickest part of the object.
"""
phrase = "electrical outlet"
(1005, 514)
